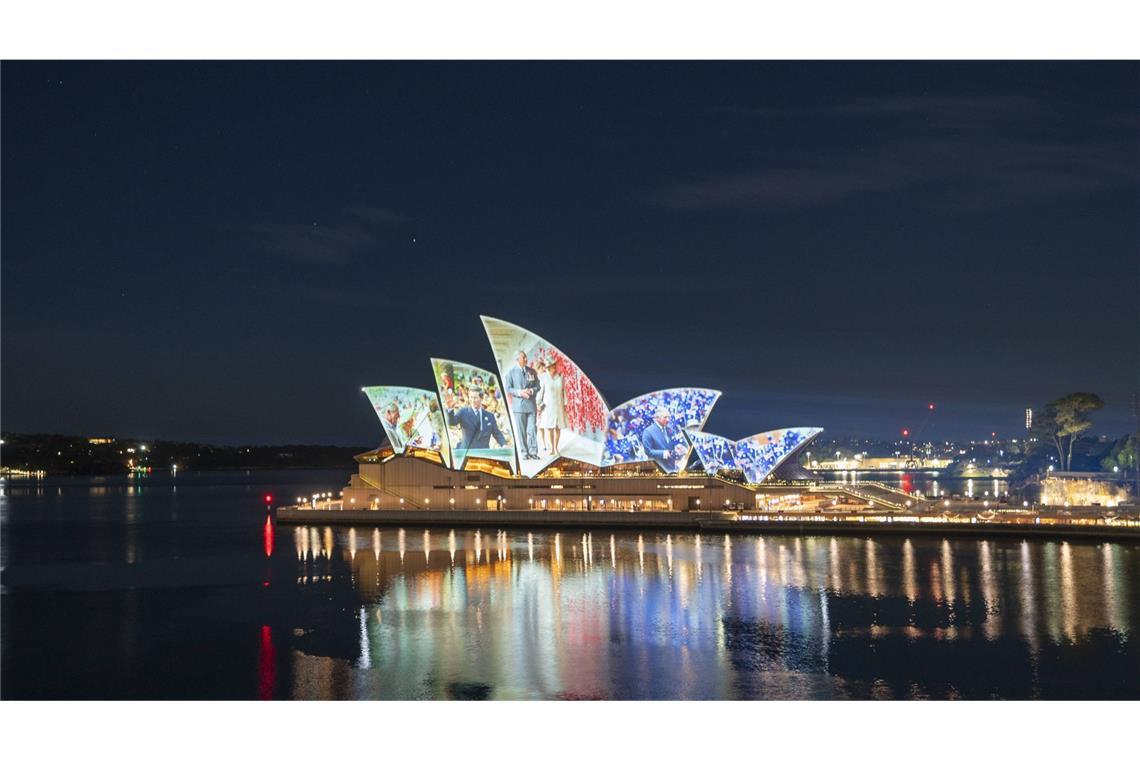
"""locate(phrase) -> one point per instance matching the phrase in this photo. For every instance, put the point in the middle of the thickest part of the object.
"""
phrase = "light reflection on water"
(115, 589)
(526, 615)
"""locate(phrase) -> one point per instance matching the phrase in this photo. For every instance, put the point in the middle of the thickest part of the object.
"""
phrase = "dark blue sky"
(228, 251)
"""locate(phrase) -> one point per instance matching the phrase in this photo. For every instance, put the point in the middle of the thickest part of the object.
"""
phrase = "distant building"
(1083, 489)
(1028, 419)
(861, 463)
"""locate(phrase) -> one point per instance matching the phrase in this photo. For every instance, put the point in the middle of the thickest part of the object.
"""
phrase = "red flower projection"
(585, 410)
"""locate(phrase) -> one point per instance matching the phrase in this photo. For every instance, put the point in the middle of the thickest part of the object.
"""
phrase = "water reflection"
(267, 536)
(203, 597)
(695, 617)
(267, 664)
(910, 582)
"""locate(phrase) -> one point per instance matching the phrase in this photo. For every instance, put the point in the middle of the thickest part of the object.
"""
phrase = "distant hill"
(79, 455)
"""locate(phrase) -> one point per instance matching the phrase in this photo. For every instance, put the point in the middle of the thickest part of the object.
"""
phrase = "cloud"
(956, 175)
(357, 228)
(987, 107)
(956, 155)
(376, 214)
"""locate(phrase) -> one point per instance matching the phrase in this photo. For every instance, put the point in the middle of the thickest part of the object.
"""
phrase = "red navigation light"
(268, 498)
(930, 407)
(267, 537)
(905, 432)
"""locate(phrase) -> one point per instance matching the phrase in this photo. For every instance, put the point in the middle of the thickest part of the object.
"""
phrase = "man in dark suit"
(478, 425)
(662, 442)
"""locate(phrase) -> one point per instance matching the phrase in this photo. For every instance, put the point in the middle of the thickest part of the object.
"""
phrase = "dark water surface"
(161, 588)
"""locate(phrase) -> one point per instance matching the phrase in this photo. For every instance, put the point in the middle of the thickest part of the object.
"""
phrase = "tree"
(1125, 454)
(1064, 420)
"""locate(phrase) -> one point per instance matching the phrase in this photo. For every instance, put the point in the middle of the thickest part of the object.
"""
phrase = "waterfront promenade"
(866, 524)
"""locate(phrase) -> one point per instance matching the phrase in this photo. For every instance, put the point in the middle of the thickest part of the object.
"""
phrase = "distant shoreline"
(55, 455)
(188, 471)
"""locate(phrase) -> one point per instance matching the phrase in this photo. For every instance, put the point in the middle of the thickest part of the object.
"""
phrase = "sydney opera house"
(538, 435)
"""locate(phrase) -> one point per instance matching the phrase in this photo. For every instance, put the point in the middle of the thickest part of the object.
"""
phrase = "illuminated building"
(538, 434)
(1028, 419)
(1083, 489)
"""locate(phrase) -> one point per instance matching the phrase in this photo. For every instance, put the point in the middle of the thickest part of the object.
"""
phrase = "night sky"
(227, 252)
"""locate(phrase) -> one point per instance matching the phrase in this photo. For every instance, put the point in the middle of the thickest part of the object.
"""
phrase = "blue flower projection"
(760, 454)
(652, 427)
(714, 451)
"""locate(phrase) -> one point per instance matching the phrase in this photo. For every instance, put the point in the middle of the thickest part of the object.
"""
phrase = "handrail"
(380, 487)
(855, 493)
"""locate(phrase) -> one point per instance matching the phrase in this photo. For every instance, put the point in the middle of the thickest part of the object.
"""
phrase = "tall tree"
(1064, 420)
(1124, 454)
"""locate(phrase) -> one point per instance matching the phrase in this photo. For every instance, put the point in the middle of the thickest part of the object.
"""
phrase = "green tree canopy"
(1064, 420)
(1124, 455)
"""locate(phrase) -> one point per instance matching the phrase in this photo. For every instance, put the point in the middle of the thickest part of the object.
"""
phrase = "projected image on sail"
(474, 413)
(555, 410)
(411, 419)
(760, 454)
(652, 427)
(713, 451)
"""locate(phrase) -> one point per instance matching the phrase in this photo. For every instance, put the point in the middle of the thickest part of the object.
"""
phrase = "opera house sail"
(474, 413)
(652, 427)
(411, 419)
(547, 392)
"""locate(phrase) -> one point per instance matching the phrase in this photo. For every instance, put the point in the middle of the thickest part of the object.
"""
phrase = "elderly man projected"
(478, 424)
(390, 420)
(522, 386)
(411, 419)
(664, 442)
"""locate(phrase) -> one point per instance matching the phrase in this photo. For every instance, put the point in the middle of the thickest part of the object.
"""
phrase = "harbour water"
(183, 587)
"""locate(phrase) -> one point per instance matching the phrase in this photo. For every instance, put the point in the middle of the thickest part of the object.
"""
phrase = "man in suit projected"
(478, 425)
(522, 386)
(663, 442)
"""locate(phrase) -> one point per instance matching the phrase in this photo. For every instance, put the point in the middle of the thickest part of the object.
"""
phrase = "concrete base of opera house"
(407, 491)
(412, 482)
(483, 518)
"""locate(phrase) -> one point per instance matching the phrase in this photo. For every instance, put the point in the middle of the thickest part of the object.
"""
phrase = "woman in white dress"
(551, 407)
